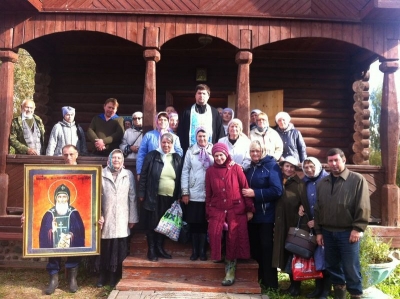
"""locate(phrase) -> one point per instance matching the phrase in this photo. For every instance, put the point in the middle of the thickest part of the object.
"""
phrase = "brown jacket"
(346, 206)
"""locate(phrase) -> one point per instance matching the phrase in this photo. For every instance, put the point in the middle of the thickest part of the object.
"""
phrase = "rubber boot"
(160, 247)
(296, 289)
(290, 288)
(327, 285)
(230, 270)
(73, 284)
(339, 291)
(151, 247)
(195, 247)
(113, 279)
(101, 281)
(53, 284)
(318, 289)
(203, 247)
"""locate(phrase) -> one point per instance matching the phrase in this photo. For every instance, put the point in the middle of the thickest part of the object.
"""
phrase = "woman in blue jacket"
(265, 181)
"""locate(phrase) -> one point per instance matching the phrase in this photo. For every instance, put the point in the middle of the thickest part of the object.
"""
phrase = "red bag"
(304, 269)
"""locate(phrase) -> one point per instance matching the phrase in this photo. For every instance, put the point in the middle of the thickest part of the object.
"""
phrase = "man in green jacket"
(27, 131)
(341, 215)
(106, 129)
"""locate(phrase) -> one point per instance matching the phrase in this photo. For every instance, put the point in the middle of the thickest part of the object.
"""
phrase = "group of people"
(239, 193)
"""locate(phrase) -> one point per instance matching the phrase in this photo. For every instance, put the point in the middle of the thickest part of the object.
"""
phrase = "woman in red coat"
(225, 204)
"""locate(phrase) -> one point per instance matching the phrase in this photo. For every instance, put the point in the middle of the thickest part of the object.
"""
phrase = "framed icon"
(61, 210)
(201, 74)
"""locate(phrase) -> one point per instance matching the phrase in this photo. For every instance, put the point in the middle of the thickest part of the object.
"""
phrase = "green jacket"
(17, 140)
(346, 206)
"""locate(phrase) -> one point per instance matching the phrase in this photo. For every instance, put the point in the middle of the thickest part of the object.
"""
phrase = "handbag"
(304, 269)
(319, 258)
(184, 235)
(300, 241)
(171, 222)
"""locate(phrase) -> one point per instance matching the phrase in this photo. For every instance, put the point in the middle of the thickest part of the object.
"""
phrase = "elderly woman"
(119, 214)
(159, 187)
(225, 204)
(265, 187)
(227, 116)
(314, 172)
(173, 122)
(132, 137)
(286, 216)
(237, 143)
(66, 132)
(152, 140)
(293, 142)
(197, 160)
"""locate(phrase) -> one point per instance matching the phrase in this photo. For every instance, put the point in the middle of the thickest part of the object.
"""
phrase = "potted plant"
(377, 263)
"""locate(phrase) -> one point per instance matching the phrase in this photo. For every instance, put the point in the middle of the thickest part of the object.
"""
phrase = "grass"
(30, 283)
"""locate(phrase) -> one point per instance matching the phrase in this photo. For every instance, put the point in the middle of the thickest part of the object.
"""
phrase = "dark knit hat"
(62, 189)
(220, 147)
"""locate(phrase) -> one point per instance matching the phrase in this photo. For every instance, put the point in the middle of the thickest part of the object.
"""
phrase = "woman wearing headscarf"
(225, 204)
(314, 172)
(119, 214)
(286, 216)
(227, 116)
(152, 140)
(237, 143)
(159, 187)
(293, 142)
(197, 160)
(265, 187)
(66, 132)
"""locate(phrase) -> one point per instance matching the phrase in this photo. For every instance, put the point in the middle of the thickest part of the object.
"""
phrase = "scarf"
(200, 120)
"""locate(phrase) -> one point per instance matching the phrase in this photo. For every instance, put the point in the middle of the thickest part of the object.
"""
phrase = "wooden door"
(269, 102)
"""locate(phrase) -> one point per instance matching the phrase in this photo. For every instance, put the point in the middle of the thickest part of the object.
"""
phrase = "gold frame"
(40, 181)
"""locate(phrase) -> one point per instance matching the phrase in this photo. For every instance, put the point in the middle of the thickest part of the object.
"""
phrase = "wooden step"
(182, 274)
(182, 284)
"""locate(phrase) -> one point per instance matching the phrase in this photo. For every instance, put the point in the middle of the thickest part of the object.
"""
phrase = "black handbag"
(301, 242)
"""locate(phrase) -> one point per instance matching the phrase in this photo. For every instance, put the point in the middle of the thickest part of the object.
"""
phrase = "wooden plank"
(60, 23)
(132, 30)
(212, 25)
(169, 29)
(50, 24)
(305, 29)
(253, 26)
(316, 29)
(90, 22)
(379, 36)
(101, 23)
(295, 29)
(357, 34)
(222, 29)
(274, 31)
(80, 22)
(160, 23)
(368, 37)
(233, 32)
(29, 30)
(201, 26)
(191, 25)
(111, 26)
(263, 33)
(347, 33)
(180, 26)
(337, 31)
(18, 37)
(140, 30)
(326, 30)
(69, 22)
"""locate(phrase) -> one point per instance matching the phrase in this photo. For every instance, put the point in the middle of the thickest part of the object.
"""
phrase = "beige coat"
(118, 204)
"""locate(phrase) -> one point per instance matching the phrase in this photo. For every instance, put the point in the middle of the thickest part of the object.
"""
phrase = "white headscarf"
(317, 164)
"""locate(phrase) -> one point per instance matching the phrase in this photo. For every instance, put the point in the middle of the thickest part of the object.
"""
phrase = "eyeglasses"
(136, 118)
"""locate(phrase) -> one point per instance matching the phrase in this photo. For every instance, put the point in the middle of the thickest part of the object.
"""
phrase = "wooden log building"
(307, 57)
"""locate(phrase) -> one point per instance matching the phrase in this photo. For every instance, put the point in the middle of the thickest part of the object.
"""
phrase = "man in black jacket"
(200, 114)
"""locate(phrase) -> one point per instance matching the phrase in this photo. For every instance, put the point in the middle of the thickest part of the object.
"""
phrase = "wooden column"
(389, 137)
(8, 59)
(243, 58)
(151, 55)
